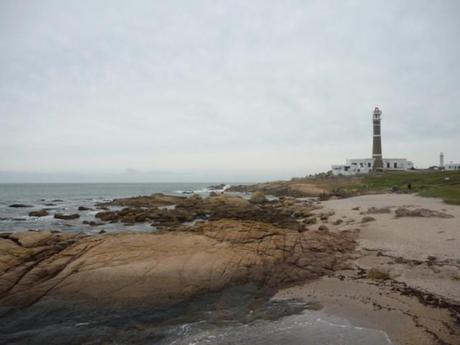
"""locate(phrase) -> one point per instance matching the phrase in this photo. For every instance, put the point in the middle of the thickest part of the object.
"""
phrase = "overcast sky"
(222, 90)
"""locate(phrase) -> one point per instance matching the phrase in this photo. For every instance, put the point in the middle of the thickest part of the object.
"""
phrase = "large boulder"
(170, 266)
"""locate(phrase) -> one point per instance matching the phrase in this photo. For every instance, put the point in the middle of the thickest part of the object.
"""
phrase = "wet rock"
(41, 213)
(92, 223)
(66, 216)
(107, 216)
(20, 205)
(84, 208)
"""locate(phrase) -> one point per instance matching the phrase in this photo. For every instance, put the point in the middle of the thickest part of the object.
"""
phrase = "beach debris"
(377, 274)
(367, 219)
(420, 212)
(378, 210)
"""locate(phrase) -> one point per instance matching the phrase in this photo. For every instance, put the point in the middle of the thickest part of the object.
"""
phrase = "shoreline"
(358, 260)
(418, 301)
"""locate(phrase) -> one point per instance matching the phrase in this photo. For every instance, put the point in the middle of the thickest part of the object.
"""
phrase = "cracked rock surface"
(162, 267)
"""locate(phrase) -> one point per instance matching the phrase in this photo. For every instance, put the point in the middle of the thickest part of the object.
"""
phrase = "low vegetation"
(438, 184)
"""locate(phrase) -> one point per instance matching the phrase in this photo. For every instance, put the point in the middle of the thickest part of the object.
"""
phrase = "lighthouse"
(377, 141)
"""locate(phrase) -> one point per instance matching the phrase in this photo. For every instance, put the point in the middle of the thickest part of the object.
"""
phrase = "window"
(369, 164)
(388, 165)
(395, 165)
(361, 165)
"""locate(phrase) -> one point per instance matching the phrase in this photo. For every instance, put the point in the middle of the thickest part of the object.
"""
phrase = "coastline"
(398, 275)
(418, 302)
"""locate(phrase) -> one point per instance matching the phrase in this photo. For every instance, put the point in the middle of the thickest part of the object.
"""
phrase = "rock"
(212, 194)
(420, 212)
(83, 208)
(338, 222)
(378, 210)
(154, 200)
(29, 239)
(92, 223)
(217, 187)
(367, 219)
(167, 266)
(102, 232)
(323, 228)
(356, 208)
(20, 205)
(311, 220)
(258, 197)
(41, 213)
(66, 216)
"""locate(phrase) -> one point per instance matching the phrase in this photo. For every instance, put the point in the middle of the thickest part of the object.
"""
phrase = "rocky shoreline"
(221, 248)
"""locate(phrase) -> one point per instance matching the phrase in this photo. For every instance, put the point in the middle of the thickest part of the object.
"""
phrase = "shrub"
(258, 197)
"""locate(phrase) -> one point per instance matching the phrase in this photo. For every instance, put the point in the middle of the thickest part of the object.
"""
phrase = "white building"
(452, 166)
(364, 166)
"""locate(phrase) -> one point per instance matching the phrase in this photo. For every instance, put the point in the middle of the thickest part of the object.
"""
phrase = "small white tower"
(441, 160)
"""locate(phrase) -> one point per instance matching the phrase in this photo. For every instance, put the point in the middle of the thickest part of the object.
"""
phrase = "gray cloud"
(249, 90)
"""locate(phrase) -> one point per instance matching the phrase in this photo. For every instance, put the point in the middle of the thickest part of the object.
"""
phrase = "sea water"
(67, 197)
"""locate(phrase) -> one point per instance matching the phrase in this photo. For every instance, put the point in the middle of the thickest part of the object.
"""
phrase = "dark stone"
(66, 216)
(41, 213)
(20, 205)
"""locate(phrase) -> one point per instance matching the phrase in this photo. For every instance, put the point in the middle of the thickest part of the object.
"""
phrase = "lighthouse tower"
(377, 143)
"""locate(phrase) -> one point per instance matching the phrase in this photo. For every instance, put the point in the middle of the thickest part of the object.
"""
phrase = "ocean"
(67, 197)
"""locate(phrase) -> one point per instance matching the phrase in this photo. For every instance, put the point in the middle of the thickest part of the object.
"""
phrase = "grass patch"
(427, 183)
(377, 274)
(449, 194)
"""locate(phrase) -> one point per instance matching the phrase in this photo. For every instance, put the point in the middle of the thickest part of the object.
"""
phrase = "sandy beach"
(419, 257)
